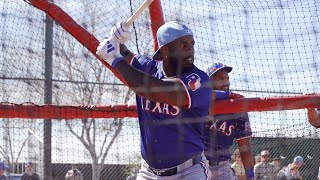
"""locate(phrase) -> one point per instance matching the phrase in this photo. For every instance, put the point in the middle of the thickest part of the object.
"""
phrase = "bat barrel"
(138, 12)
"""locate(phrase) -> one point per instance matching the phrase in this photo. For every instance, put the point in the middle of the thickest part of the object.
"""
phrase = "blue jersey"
(220, 134)
(171, 135)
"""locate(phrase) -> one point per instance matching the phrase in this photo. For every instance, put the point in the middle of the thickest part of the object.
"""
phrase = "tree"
(12, 148)
(81, 89)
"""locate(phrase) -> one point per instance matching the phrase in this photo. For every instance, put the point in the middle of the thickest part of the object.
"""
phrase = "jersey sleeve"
(197, 90)
(143, 63)
(243, 126)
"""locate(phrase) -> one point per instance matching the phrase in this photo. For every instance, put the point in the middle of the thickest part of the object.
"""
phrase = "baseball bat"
(138, 12)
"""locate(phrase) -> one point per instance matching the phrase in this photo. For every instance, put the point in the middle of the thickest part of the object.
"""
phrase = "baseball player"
(172, 100)
(221, 132)
(74, 174)
(264, 170)
(3, 167)
(29, 173)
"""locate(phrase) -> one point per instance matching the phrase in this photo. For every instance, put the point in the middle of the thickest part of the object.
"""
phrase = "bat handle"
(138, 12)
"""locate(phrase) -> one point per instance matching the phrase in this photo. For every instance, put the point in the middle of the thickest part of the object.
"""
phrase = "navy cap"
(216, 66)
(169, 32)
(28, 163)
(3, 166)
(298, 160)
(264, 152)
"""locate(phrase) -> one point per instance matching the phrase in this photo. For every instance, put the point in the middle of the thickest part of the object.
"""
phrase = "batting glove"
(221, 95)
(121, 32)
(109, 51)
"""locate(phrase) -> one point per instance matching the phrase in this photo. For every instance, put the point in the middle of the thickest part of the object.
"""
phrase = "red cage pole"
(71, 26)
(258, 104)
(33, 111)
(157, 20)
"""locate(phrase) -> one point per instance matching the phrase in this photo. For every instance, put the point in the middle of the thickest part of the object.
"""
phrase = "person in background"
(237, 166)
(74, 174)
(3, 167)
(29, 173)
(221, 132)
(264, 170)
(257, 159)
(277, 164)
(292, 171)
(298, 160)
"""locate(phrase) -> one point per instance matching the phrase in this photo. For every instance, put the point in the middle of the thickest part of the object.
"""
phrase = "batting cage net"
(63, 108)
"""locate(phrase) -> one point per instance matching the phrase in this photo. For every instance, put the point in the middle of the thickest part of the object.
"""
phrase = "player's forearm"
(126, 53)
(137, 80)
(242, 177)
(247, 156)
(314, 117)
(247, 159)
(246, 152)
(217, 95)
(313, 114)
(150, 87)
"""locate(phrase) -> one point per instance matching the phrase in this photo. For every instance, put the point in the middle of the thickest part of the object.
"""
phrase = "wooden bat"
(138, 12)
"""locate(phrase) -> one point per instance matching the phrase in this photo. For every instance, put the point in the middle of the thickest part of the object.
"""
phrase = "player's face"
(295, 170)
(29, 168)
(238, 157)
(180, 53)
(220, 80)
(276, 163)
(265, 158)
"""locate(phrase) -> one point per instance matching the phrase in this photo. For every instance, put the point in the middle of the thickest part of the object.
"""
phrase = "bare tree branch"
(20, 151)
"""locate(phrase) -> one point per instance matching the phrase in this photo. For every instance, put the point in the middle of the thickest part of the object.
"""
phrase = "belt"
(172, 171)
(217, 163)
